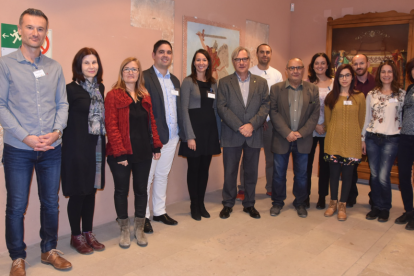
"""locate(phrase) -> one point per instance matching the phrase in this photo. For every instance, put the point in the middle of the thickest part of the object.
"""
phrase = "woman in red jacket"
(132, 142)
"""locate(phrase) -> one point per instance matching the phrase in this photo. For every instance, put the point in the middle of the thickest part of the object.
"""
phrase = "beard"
(361, 72)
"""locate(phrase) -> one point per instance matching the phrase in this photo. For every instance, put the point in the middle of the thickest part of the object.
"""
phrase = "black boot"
(195, 211)
(321, 203)
(203, 210)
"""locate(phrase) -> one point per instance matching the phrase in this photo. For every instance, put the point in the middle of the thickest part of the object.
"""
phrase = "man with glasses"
(294, 112)
(272, 76)
(164, 89)
(243, 105)
(365, 82)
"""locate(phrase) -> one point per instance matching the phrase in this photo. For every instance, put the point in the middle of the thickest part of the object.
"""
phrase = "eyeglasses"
(292, 68)
(346, 76)
(130, 70)
(238, 60)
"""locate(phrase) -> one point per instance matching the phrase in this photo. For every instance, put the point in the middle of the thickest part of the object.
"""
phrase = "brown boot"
(331, 209)
(342, 211)
(79, 244)
(18, 268)
(92, 241)
(52, 258)
(139, 232)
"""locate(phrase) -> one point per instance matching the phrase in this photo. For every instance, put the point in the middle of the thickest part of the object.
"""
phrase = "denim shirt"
(170, 102)
(30, 105)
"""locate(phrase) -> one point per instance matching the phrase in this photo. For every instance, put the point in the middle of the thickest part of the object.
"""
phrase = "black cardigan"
(78, 146)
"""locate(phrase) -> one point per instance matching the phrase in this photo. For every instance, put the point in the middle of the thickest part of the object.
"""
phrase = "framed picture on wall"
(216, 38)
(380, 36)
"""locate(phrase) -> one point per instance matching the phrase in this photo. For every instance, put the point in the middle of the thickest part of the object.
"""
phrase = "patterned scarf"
(96, 117)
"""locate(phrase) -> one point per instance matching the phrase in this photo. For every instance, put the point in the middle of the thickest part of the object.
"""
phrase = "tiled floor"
(240, 245)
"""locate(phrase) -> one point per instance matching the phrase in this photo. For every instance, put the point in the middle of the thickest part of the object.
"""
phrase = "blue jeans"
(18, 171)
(280, 164)
(381, 153)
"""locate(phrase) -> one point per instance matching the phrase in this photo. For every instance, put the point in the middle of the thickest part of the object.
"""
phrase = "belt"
(383, 135)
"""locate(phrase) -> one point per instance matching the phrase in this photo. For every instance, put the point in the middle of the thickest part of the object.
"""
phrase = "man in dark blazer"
(164, 89)
(294, 112)
(243, 105)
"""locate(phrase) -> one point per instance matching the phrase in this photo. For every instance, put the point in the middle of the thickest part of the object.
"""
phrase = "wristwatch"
(59, 132)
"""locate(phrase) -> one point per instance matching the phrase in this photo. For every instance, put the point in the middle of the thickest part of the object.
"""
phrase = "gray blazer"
(191, 99)
(234, 113)
(280, 117)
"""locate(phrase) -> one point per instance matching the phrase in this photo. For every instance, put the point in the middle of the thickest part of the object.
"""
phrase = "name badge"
(392, 100)
(347, 102)
(175, 92)
(211, 94)
(39, 73)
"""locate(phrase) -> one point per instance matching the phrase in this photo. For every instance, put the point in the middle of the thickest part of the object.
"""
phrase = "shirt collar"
(20, 58)
(288, 85)
(369, 77)
(240, 80)
(167, 76)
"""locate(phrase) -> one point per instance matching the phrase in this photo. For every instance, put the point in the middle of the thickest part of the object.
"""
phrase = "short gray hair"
(238, 50)
(287, 64)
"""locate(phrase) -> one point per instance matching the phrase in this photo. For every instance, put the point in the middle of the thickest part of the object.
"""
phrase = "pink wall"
(104, 25)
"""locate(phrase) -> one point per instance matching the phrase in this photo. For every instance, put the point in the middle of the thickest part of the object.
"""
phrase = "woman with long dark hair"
(406, 152)
(201, 128)
(320, 74)
(132, 143)
(344, 119)
(83, 148)
(381, 134)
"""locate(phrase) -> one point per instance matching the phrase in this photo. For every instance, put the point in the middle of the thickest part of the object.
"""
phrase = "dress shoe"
(301, 211)
(252, 212)
(373, 214)
(52, 258)
(383, 215)
(166, 219)
(240, 196)
(195, 212)
(79, 244)
(342, 211)
(203, 211)
(410, 224)
(321, 203)
(275, 210)
(148, 227)
(225, 212)
(18, 268)
(333, 205)
(269, 193)
(351, 202)
(307, 203)
(403, 219)
(93, 242)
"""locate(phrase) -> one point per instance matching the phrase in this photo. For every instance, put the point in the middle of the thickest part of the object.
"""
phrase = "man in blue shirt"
(33, 113)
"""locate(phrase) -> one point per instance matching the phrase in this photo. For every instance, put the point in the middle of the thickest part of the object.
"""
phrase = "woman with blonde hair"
(132, 142)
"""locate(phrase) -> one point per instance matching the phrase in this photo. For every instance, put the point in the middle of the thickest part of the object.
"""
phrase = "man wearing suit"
(164, 89)
(243, 105)
(294, 112)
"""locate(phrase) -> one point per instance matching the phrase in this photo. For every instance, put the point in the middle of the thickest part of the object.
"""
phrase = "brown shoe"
(342, 211)
(92, 241)
(18, 268)
(331, 209)
(52, 258)
(79, 244)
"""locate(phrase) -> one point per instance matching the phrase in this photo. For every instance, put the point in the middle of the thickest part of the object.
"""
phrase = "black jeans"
(405, 164)
(323, 183)
(335, 171)
(121, 174)
(81, 207)
(197, 177)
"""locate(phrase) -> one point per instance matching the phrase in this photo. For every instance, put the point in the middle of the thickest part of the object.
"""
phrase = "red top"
(117, 122)
(367, 86)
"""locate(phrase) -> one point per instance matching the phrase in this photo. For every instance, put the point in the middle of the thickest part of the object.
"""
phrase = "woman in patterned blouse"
(381, 135)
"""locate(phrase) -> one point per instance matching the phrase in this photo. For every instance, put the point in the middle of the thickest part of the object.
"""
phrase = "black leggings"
(335, 170)
(81, 207)
(197, 177)
(122, 174)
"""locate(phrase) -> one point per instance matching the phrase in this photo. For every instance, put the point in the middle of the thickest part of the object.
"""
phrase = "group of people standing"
(61, 131)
